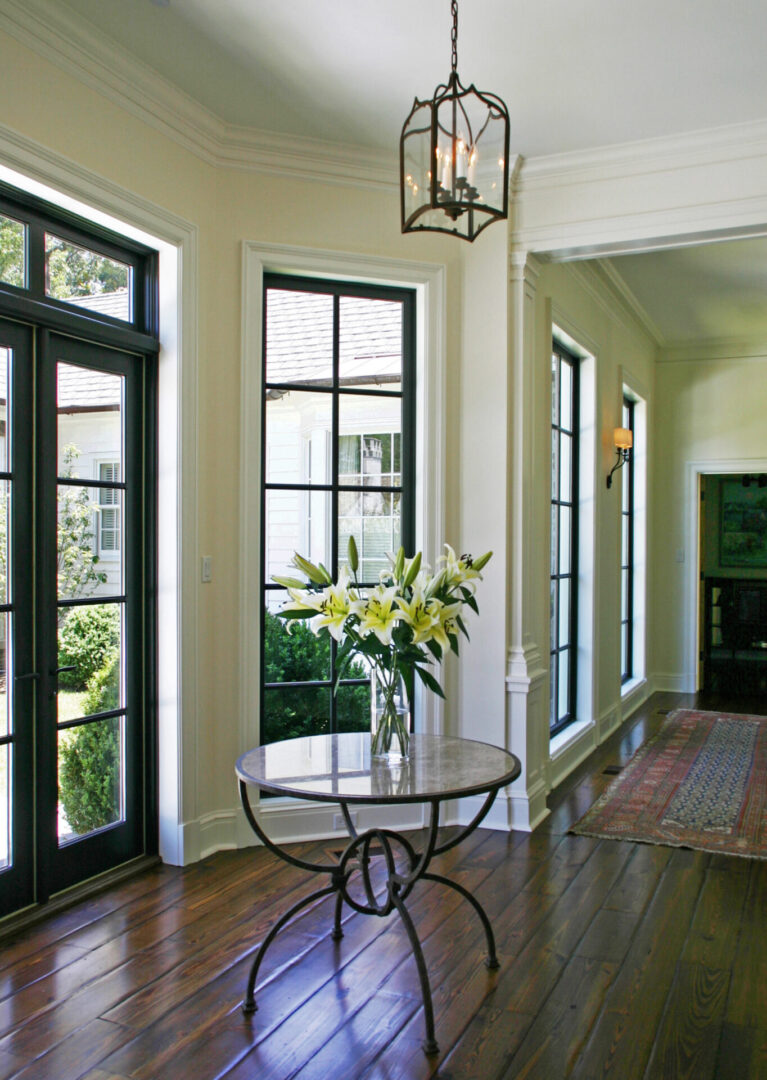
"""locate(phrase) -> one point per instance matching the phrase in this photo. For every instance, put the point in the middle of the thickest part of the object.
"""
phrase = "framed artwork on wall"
(743, 523)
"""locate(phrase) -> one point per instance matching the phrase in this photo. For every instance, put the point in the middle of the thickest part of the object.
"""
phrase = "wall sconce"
(623, 439)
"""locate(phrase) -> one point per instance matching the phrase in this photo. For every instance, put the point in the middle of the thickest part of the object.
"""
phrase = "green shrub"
(89, 770)
(87, 637)
(300, 656)
(103, 689)
(89, 775)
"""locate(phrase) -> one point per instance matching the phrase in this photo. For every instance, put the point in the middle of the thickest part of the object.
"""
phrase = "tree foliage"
(75, 271)
(76, 560)
(11, 252)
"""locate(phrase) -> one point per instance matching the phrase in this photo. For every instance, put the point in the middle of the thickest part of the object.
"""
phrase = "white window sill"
(571, 734)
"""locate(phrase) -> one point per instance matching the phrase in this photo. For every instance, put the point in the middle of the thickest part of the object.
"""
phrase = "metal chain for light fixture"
(454, 157)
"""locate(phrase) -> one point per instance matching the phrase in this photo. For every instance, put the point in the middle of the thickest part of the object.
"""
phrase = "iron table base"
(356, 857)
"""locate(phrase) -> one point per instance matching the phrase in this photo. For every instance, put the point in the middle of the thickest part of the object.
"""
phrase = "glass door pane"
(91, 454)
(17, 673)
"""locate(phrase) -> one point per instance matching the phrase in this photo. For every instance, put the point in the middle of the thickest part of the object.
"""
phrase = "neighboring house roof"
(299, 338)
(82, 389)
(115, 303)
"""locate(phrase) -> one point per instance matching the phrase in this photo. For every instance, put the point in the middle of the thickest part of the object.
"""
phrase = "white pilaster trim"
(428, 280)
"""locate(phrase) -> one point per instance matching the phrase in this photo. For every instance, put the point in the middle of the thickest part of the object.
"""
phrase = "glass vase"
(390, 717)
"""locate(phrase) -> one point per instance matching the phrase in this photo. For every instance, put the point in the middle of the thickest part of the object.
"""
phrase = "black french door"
(76, 624)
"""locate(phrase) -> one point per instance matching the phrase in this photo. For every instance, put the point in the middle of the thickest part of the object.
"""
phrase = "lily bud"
(483, 560)
(399, 563)
(415, 566)
(312, 572)
(289, 582)
(352, 555)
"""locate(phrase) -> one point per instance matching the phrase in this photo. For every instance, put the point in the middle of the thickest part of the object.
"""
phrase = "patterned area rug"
(701, 782)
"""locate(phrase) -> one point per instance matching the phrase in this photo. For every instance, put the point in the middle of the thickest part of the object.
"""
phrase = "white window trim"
(43, 172)
(639, 617)
(429, 282)
(576, 342)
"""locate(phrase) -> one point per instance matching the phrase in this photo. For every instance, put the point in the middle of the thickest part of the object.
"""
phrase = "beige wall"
(228, 207)
(710, 413)
(577, 298)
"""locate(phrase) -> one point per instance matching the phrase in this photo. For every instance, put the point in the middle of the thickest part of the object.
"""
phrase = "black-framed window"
(627, 552)
(78, 377)
(338, 460)
(51, 261)
(564, 537)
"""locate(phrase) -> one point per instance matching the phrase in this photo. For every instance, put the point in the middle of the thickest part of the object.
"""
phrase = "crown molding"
(93, 59)
(686, 150)
(713, 350)
(621, 287)
(614, 301)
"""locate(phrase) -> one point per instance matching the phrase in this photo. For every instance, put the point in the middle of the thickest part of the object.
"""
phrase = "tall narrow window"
(338, 458)
(627, 552)
(564, 537)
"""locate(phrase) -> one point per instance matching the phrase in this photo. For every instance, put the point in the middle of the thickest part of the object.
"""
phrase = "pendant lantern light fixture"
(454, 158)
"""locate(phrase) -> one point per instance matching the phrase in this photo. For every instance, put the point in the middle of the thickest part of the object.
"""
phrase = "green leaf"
(435, 649)
(429, 681)
(462, 627)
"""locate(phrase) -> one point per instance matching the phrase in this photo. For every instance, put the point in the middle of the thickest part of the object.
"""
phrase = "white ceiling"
(575, 74)
(711, 292)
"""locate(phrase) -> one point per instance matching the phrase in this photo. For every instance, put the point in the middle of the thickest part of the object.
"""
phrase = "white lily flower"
(445, 616)
(457, 570)
(334, 605)
(376, 615)
(417, 615)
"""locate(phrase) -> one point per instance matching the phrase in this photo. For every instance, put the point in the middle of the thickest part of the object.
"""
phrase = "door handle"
(25, 678)
(55, 672)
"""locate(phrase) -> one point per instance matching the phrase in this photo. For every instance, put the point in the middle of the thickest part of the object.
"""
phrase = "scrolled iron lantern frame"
(441, 158)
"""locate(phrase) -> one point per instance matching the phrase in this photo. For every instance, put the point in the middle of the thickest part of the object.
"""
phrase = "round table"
(338, 769)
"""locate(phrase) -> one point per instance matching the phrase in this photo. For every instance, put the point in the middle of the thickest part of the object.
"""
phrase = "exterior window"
(627, 552)
(564, 538)
(338, 457)
(109, 508)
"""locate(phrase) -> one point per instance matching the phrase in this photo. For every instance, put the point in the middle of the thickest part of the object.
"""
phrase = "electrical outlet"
(340, 825)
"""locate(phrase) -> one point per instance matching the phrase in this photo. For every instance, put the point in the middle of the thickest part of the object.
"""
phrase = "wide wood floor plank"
(618, 961)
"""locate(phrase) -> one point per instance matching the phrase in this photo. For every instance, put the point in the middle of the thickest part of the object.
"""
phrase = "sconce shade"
(623, 438)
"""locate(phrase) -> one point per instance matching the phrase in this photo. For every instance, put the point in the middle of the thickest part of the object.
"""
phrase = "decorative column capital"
(524, 266)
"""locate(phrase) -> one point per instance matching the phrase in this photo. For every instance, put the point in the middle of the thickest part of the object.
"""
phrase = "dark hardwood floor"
(618, 960)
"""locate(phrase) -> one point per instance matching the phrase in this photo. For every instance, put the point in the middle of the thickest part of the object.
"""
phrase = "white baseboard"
(522, 812)
(571, 753)
(672, 681)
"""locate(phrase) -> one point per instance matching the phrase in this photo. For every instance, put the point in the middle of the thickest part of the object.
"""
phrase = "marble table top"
(338, 767)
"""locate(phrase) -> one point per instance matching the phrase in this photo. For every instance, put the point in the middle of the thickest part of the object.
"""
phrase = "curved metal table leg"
(249, 1004)
(337, 933)
(492, 958)
(430, 1044)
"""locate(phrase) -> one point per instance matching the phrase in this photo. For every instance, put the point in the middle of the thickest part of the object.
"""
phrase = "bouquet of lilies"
(404, 623)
